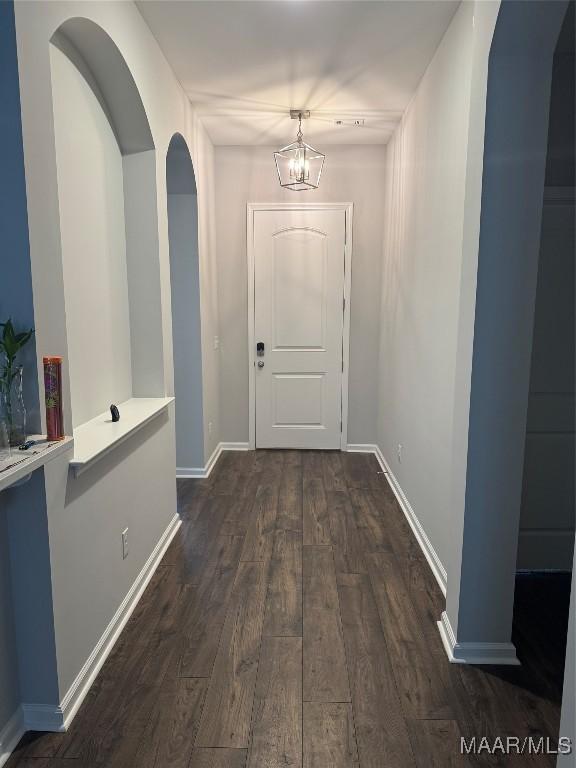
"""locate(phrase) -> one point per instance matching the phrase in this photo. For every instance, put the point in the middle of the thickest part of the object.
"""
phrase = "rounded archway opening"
(182, 209)
(97, 58)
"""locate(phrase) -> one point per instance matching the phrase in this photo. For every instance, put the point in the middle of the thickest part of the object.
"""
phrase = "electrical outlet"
(209, 427)
(216, 342)
(124, 543)
(399, 453)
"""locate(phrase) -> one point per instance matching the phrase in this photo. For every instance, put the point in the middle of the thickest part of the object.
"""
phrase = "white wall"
(432, 215)
(92, 227)
(133, 487)
(351, 174)
(204, 167)
(424, 220)
(135, 484)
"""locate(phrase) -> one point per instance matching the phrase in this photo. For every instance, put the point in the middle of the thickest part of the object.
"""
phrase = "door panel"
(298, 315)
(299, 399)
(299, 270)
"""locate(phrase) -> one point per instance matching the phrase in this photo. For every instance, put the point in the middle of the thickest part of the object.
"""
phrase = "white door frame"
(251, 208)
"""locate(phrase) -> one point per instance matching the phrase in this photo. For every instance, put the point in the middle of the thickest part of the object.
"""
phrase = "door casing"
(251, 208)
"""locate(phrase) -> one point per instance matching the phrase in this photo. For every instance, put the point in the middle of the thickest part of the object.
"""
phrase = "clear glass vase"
(12, 408)
(4, 441)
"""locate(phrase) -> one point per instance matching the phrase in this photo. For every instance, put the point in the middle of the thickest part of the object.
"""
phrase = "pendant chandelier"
(299, 165)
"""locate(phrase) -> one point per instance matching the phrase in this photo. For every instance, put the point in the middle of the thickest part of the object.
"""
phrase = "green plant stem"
(6, 386)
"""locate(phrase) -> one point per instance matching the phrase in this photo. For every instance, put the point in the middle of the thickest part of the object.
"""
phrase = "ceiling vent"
(351, 122)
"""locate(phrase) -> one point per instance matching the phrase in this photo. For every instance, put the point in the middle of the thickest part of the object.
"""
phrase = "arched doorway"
(185, 294)
(477, 625)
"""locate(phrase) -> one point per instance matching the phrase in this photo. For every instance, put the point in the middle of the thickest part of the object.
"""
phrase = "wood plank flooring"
(292, 623)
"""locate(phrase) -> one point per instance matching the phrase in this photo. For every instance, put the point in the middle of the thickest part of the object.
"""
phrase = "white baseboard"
(364, 448)
(204, 472)
(200, 473)
(475, 653)
(430, 553)
(235, 446)
(10, 735)
(39, 717)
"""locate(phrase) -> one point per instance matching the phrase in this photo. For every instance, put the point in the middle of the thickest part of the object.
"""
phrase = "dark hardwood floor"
(292, 623)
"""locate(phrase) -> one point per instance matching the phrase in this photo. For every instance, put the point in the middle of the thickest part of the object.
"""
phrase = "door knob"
(260, 363)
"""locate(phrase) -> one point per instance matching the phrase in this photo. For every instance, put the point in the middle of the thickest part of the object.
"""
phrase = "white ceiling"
(244, 64)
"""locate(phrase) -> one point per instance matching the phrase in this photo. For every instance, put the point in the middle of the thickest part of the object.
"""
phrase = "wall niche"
(106, 171)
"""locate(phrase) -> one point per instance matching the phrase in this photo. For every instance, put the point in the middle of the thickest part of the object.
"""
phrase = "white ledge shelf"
(99, 436)
(21, 464)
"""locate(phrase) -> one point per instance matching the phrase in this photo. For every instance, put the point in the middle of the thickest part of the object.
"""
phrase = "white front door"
(298, 318)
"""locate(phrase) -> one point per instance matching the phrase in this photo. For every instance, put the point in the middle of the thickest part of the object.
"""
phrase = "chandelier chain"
(300, 135)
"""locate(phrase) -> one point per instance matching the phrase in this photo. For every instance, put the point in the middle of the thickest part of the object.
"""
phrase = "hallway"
(293, 622)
